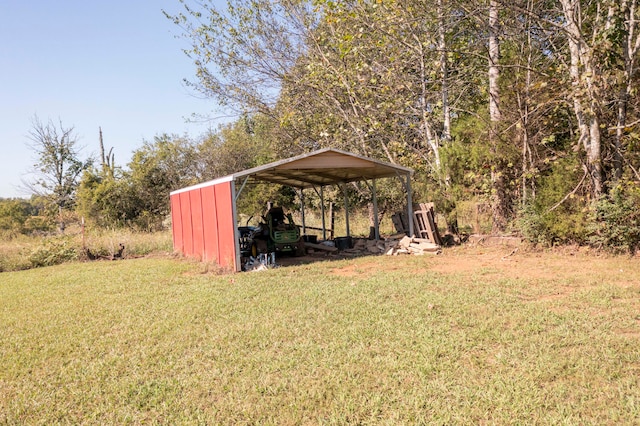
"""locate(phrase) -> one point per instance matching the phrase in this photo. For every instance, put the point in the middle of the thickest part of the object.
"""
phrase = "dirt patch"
(567, 263)
(565, 267)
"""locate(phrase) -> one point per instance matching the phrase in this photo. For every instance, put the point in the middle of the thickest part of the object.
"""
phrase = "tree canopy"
(518, 104)
(529, 106)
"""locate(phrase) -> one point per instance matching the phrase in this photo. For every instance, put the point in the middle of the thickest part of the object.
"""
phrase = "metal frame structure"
(196, 219)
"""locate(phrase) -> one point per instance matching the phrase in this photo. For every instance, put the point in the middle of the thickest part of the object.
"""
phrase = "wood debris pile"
(428, 240)
(394, 246)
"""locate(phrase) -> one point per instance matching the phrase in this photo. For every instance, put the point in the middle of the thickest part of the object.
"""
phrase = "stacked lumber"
(394, 246)
(365, 246)
(411, 245)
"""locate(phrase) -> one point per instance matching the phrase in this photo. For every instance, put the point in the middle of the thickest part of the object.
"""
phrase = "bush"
(54, 251)
(615, 221)
(551, 228)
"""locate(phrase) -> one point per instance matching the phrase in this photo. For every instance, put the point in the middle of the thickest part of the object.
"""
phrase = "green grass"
(383, 340)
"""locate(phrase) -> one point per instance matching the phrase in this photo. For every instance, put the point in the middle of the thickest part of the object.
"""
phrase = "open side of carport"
(204, 216)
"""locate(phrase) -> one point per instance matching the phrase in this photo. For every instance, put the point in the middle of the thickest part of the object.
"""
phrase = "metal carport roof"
(325, 167)
(321, 168)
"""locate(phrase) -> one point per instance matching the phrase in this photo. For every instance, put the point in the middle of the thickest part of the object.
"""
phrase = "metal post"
(324, 226)
(409, 205)
(346, 207)
(234, 213)
(304, 223)
(241, 188)
(376, 224)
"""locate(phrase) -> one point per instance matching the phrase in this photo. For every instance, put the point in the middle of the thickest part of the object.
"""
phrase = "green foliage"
(139, 197)
(615, 219)
(35, 225)
(157, 168)
(549, 228)
(559, 212)
(54, 251)
(13, 215)
(112, 201)
(384, 79)
(468, 159)
(245, 143)
(19, 216)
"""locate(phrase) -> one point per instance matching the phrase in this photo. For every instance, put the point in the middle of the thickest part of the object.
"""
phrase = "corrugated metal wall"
(204, 225)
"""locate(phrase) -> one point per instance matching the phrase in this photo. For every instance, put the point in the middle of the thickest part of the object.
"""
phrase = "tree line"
(69, 188)
(529, 106)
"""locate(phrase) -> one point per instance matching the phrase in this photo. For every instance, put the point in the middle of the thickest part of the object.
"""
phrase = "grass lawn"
(475, 336)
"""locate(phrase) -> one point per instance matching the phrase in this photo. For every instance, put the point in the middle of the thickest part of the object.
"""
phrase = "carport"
(204, 217)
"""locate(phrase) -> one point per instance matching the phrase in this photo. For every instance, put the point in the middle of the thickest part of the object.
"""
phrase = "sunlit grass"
(24, 252)
(375, 340)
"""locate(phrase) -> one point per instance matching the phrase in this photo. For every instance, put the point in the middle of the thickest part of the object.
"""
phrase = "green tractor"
(277, 234)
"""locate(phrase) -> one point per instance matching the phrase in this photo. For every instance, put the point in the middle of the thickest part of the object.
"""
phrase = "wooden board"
(321, 247)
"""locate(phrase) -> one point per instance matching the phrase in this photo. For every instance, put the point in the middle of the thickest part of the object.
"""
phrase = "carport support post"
(376, 224)
(234, 213)
(304, 224)
(409, 205)
(324, 226)
(346, 207)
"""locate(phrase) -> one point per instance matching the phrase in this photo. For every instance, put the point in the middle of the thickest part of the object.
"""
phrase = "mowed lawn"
(469, 337)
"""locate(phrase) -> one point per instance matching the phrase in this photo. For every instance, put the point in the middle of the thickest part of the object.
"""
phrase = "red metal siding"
(204, 223)
(196, 221)
(176, 223)
(210, 220)
(187, 223)
(226, 225)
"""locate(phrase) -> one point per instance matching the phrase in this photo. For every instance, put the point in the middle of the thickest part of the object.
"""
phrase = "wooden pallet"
(424, 223)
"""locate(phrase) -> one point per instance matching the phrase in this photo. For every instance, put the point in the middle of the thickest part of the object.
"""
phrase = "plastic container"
(343, 243)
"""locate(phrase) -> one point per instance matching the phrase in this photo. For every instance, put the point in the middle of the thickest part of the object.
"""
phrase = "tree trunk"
(494, 57)
(631, 44)
(444, 75)
(498, 181)
(583, 75)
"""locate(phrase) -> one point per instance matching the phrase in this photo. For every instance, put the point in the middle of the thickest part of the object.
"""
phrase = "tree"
(157, 168)
(59, 167)
(243, 54)
(234, 147)
(13, 215)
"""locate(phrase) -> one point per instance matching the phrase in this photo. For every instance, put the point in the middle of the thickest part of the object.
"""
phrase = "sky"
(114, 64)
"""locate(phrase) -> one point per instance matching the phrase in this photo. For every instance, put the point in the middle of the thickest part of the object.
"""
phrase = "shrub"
(615, 221)
(550, 228)
(53, 252)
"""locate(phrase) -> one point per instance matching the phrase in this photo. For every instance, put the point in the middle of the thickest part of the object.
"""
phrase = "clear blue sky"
(114, 64)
